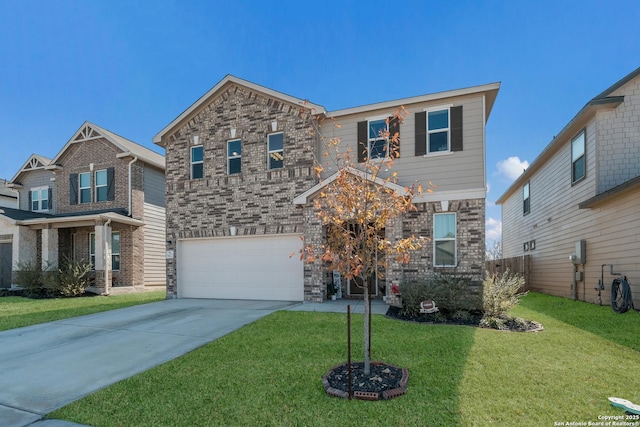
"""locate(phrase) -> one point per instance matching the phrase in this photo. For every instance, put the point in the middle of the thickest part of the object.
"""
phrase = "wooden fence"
(519, 265)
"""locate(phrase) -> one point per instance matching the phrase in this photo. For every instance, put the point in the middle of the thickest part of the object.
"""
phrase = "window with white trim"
(39, 199)
(444, 239)
(378, 142)
(578, 167)
(84, 185)
(234, 156)
(197, 162)
(438, 131)
(275, 151)
(115, 250)
(100, 180)
(526, 199)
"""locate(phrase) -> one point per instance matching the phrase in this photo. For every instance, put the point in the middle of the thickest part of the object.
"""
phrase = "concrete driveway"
(47, 366)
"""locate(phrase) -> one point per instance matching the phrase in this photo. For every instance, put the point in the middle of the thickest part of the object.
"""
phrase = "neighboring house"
(8, 197)
(240, 185)
(101, 199)
(584, 186)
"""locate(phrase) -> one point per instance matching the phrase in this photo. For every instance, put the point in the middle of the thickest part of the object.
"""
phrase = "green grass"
(268, 373)
(16, 312)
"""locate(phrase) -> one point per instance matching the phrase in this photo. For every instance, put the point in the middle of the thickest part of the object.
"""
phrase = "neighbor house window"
(101, 185)
(85, 187)
(197, 162)
(234, 156)
(275, 151)
(39, 199)
(577, 158)
(444, 241)
(438, 131)
(115, 250)
(526, 199)
(378, 131)
(92, 250)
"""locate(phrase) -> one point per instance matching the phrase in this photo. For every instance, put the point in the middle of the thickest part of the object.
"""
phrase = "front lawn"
(268, 373)
(16, 312)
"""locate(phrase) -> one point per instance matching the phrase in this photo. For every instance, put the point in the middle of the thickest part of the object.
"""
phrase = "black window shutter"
(111, 184)
(363, 141)
(456, 128)
(50, 198)
(73, 189)
(30, 201)
(394, 133)
(421, 133)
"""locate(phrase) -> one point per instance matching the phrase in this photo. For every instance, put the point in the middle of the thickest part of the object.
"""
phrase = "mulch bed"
(385, 381)
(473, 319)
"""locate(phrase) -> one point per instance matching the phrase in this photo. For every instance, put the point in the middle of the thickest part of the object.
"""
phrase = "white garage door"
(241, 268)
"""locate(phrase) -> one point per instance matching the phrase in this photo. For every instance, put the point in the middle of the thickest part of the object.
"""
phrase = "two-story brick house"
(583, 187)
(101, 199)
(240, 184)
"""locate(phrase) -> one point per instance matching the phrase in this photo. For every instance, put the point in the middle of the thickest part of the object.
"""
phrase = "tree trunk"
(367, 326)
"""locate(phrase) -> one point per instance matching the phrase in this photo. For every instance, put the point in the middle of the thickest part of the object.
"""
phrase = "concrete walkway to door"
(49, 365)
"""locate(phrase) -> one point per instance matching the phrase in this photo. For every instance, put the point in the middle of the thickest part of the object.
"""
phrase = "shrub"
(30, 276)
(413, 293)
(453, 293)
(500, 293)
(73, 278)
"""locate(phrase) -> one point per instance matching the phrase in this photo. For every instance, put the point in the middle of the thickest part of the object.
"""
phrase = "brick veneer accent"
(258, 201)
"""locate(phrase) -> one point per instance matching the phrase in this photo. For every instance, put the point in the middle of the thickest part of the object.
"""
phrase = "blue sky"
(132, 67)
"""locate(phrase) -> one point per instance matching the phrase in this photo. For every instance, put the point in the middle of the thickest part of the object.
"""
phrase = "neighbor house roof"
(625, 187)
(602, 101)
(22, 217)
(229, 79)
(89, 131)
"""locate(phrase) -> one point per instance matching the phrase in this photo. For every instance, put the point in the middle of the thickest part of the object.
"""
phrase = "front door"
(5, 264)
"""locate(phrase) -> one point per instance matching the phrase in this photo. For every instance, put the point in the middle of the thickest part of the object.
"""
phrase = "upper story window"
(234, 156)
(526, 199)
(275, 159)
(84, 187)
(197, 162)
(438, 131)
(39, 199)
(444, 239)
(578, 168)
(101, 185)
(377, 139)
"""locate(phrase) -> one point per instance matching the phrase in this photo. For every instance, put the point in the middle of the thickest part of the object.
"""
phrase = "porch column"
(103, 256)
(49, 248)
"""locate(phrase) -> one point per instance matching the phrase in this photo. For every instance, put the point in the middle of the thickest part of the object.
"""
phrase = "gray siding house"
(101, 199)
(240, 184)
(583, 187)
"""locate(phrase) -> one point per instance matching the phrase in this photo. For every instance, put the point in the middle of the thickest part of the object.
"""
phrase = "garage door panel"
(241, 268)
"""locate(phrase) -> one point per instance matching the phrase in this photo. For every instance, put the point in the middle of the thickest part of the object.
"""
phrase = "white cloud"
(493, 228)
(512, 167)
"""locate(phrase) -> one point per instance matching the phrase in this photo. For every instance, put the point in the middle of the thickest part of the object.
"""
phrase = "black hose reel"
(621, 300)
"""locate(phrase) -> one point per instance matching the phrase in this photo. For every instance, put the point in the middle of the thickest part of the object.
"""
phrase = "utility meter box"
(580, 254)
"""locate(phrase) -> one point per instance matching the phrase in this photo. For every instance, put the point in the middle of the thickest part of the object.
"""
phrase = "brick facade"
(258, 201)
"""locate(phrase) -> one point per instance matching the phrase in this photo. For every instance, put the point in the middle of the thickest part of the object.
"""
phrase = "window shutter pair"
(363, 138)
(73, 187)
(455, 127)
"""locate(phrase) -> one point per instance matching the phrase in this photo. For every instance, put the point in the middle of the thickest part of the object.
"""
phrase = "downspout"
(104, 255)
(135, 159)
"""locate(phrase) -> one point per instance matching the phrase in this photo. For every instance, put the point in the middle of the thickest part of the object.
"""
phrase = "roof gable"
(218, 89)
(35, 162)
(89, 131)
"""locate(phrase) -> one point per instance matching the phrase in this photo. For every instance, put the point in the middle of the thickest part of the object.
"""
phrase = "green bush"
(452, 294)
(31, 278)
(500, 293)
(69, 280)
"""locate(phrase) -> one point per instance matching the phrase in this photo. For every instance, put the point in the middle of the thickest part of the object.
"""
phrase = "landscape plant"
(501, 292)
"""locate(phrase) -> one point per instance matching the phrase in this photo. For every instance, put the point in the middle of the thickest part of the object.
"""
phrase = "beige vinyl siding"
(554, 220)
(462, 170)
(155, 272)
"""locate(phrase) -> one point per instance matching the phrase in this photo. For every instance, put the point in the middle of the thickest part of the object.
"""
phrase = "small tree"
(355, 207)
